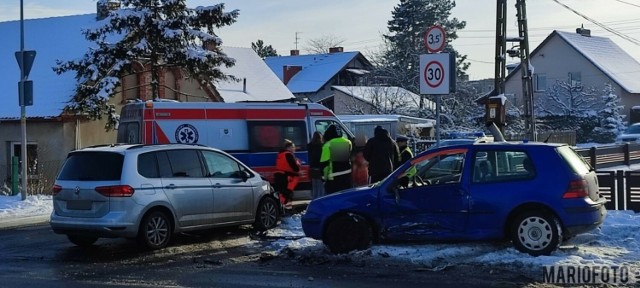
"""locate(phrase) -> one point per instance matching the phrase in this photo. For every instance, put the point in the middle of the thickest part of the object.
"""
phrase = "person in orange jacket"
(360, 170)
(287, 173)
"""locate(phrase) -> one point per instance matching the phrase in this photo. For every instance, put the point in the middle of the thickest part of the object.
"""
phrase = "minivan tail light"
(116, 191)
(56, 189)
(577, 189)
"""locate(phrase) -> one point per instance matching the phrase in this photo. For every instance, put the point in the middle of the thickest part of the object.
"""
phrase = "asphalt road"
(36, 257)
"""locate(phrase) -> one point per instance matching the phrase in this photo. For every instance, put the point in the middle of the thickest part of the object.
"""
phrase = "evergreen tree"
(156, 33)
(405, 41)
(262, 50)
(611, 120)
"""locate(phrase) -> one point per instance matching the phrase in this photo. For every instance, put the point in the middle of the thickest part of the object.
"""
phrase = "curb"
(22, 221)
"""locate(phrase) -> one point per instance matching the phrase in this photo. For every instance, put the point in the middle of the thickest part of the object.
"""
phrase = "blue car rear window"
(92, 166)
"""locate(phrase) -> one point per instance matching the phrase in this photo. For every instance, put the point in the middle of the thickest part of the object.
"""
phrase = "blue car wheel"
(536, 233)
(346, 233)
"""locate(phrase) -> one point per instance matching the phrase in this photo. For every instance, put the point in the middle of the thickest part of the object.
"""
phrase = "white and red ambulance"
(251, 132)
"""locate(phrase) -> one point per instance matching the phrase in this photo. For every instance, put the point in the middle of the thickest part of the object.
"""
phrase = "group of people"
(335, 165)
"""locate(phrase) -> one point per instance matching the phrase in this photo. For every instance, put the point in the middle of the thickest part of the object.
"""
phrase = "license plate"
(79, 205)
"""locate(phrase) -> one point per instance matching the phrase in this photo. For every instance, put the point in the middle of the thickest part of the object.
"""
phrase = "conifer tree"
(157, 33)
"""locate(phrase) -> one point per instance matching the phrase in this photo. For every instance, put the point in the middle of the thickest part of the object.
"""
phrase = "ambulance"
(251, 132)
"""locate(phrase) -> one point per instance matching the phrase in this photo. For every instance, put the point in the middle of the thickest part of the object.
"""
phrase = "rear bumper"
(585, 219)
(110, 226)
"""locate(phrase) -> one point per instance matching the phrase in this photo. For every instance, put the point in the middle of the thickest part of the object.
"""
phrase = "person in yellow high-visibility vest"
(405, 151)
(335, 161)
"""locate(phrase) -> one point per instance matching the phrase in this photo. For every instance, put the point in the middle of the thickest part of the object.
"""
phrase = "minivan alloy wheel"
(155, 230)
(267, 214)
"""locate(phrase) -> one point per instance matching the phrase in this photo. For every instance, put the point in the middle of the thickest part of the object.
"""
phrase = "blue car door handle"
(170, 186)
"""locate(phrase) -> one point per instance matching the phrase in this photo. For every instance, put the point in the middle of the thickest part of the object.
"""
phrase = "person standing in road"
(382, 154)
(335, 161)
(360, 171)
(287, 173)
(405, 151)
(314, 149)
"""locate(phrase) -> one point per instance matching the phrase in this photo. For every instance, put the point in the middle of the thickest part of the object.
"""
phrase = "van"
(251, 132)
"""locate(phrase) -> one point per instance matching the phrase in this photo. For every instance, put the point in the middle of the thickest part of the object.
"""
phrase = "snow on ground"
(617, 242)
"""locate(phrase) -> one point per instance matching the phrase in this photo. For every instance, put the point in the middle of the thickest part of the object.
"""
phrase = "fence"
(39, 183)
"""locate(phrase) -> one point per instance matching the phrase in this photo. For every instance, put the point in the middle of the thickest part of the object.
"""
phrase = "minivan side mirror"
(244, 175)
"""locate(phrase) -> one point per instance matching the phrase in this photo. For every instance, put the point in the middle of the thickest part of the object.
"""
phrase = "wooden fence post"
(592, 156)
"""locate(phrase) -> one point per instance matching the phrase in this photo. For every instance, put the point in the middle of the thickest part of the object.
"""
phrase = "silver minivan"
(150, 192)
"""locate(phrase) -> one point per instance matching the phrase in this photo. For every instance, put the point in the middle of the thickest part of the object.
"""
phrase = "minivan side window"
(220, 166)
(184, 163)
(268, 136)
(148, 165)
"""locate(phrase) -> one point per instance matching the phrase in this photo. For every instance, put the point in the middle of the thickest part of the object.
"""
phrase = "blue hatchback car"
(533, 194)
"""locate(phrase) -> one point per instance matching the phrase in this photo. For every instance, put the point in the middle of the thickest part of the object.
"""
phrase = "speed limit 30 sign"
(434, 73)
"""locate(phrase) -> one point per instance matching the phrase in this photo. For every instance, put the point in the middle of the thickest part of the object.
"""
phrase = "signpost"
(435, 69)
(435, 39)
(434, 73)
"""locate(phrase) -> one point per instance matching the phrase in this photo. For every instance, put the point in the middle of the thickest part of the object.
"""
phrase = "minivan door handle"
(217, 185)
(170, 186)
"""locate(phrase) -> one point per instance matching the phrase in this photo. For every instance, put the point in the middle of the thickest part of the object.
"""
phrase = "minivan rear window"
(92, 166)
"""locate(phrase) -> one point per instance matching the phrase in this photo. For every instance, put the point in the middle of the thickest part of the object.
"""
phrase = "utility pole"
(525, 69)
(501, 53)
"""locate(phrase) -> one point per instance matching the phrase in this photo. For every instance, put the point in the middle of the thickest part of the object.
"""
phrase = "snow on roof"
(614, 62)
(395, 97)
(317, 69)
(60, 38)
(261, 83)
(52, 39)
(608, 57)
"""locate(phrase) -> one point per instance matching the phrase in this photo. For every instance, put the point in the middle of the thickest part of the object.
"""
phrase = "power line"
(605, 27)
(636, 5)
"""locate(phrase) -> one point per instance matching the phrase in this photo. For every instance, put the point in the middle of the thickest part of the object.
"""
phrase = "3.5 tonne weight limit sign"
(434, 73)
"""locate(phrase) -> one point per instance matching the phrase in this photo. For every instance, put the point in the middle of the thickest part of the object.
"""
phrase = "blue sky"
(362, 22)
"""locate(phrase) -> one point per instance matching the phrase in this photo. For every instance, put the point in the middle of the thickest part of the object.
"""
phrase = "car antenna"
(546, 140)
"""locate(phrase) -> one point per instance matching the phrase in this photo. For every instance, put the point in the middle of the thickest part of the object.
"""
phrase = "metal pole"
(438, 119)
(23, 112)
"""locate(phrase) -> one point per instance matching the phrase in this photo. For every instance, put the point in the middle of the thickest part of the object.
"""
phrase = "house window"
(32, 157)
(575, 80)
(541, 82)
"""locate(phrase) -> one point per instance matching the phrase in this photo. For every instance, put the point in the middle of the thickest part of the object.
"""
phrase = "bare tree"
(564, 99)
(322, 44)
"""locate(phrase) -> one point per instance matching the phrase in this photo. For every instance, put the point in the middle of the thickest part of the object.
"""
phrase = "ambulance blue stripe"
(265, 159)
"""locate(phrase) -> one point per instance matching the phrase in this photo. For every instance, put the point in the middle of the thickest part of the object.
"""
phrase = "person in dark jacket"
(405, 151)
(382, 154)
(314, 149)
(287, 173)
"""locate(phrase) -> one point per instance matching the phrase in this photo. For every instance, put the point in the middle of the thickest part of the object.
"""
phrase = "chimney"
(336, 49)
(289, 72)
(295, 52)
(103, 7)
(583, 32)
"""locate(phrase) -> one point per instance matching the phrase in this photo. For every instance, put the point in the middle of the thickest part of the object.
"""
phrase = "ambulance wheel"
(346, 233)
(267, 214)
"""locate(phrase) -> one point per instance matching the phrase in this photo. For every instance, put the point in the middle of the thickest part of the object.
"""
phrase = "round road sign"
(435, 39)
(434, 74)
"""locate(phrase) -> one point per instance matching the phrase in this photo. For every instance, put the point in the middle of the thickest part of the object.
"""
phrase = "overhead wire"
(599, 24)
